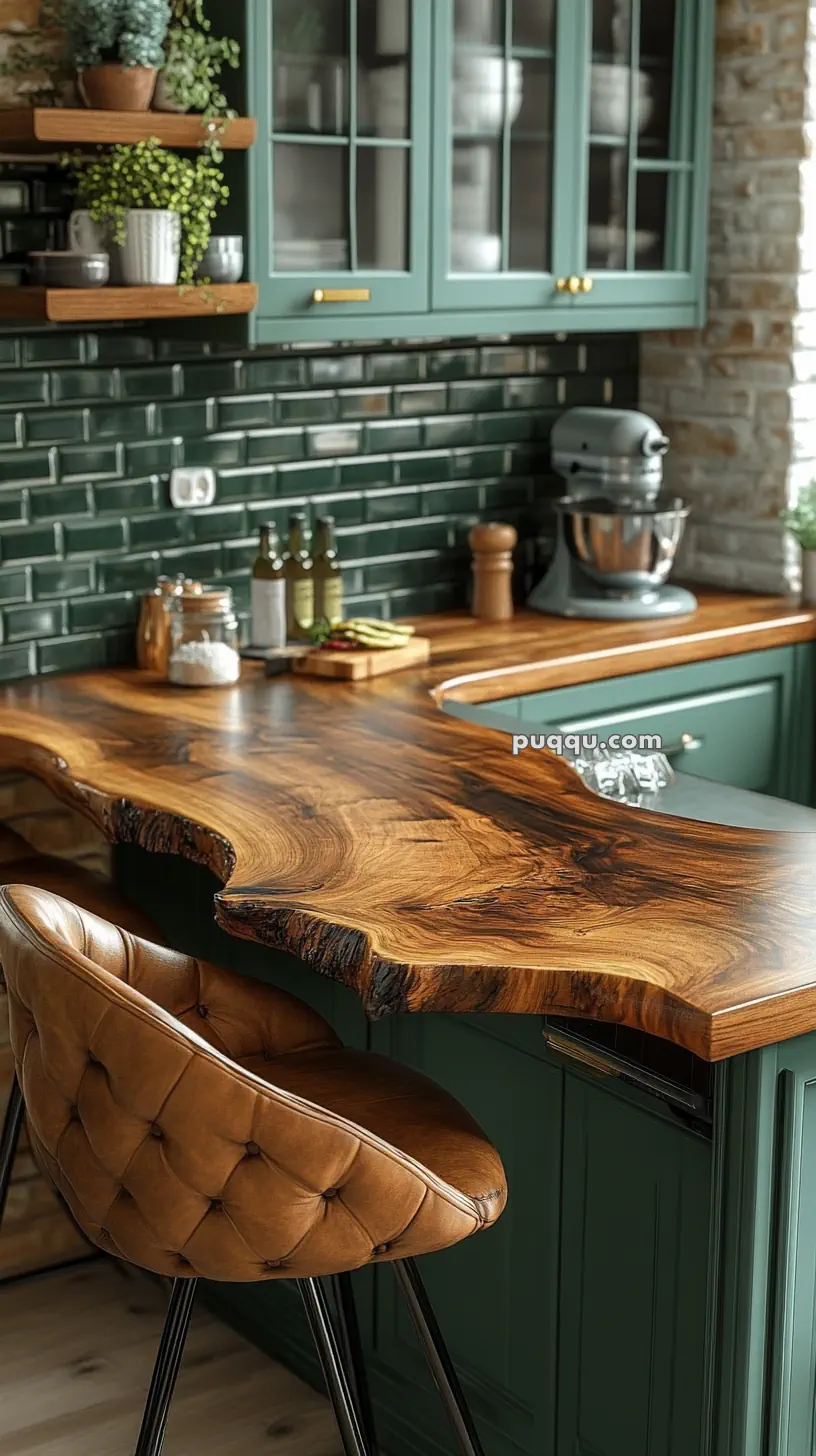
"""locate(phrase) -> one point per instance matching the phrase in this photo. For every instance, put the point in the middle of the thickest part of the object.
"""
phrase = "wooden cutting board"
(369, 662)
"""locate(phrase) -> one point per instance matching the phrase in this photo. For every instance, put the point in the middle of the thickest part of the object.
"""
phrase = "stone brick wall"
(739, 396)
(36, 1232)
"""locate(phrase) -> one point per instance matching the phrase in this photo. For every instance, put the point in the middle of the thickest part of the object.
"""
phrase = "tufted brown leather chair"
(199, 1124)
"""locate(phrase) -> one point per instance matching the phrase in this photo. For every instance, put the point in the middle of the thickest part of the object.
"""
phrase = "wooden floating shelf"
(90, 305)
(40, 128)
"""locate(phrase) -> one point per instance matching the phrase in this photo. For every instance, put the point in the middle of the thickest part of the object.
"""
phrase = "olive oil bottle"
(299, 574)
(328, 576)
(269, 591)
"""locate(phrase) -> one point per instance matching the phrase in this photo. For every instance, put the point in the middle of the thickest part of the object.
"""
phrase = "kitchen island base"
(650, 1289)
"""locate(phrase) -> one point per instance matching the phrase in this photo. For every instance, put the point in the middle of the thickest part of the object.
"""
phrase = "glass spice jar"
(204, 638)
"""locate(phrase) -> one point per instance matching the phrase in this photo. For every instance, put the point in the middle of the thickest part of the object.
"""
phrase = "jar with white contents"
(204, 638)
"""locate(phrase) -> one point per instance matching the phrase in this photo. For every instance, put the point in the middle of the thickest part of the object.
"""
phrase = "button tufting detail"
(208, 1097)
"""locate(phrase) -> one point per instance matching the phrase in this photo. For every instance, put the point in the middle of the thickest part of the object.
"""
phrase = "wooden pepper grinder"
(492, 545)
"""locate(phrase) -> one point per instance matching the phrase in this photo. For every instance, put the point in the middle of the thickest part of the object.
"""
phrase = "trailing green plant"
(195, 59)
(129, 32)
(37, 61)
(146, 175)
(800, 519)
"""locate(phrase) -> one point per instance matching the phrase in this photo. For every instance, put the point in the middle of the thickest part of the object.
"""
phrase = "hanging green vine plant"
(146, 175)
(195, 59)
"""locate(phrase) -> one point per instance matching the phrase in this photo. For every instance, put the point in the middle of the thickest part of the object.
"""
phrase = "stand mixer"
(617, 535)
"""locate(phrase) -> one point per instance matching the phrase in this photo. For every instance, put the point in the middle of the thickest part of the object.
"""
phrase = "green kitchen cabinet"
(463, 166)
(594, 1341)
(746, 720)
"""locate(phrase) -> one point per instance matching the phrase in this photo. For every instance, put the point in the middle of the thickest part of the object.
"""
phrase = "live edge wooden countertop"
(409, 855)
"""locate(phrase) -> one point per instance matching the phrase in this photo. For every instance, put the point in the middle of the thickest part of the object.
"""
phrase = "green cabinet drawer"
(745, 720)
(732, 735)
(720, 720)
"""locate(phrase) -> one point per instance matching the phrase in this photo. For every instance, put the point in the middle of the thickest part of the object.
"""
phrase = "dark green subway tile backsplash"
(407, 447)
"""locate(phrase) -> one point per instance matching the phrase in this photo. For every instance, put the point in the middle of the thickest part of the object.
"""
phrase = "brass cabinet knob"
(574, 285)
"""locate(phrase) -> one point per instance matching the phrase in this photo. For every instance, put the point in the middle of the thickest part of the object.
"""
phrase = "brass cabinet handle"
(574, 285)
(341, 295)
(689, 743)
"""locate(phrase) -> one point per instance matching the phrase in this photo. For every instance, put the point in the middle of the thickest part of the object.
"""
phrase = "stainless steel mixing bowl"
(625, 549)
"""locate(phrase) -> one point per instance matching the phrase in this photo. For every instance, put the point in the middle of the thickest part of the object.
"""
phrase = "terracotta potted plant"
(158, 207)
(800, 520)
(194, 60)
(117, 47)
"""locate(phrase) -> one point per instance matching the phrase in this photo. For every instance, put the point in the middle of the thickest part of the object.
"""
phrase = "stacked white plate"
(302, 255)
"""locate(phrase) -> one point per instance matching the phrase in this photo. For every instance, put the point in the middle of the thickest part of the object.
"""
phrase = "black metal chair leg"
(334, 1370)
(166, 1369)
(9, 1138)
(439, 1360)
(348, 1329)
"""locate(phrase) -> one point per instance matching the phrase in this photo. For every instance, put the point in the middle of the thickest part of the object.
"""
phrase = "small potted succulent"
(158, 206)
(195, 58)
(118, 49)
(800, 520)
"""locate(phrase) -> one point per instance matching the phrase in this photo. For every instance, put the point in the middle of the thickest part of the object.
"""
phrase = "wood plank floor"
(76, 1352)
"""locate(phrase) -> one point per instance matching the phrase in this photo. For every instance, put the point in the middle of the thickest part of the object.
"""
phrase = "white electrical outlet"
(193, 486)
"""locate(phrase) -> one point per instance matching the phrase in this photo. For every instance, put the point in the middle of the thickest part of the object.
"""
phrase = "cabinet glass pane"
(382, 208)
(657, 32)
(311, 208)
(652, 226)
(638, 168)
(479, 22)
(534, 24)
(310, 46)
(383, 70)
(502, 118)
(476, 207)
(341, 139)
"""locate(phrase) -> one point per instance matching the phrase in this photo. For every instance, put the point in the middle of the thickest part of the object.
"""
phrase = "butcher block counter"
(412, 857)
(650, 1290)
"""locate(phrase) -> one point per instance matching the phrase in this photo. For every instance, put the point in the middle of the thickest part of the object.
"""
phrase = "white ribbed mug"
(152, 247)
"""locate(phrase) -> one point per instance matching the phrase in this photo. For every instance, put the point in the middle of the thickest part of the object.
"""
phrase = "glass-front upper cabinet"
(571, 145)
(643, 238)
(468, 166)
(340, 171)
(498, 154)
